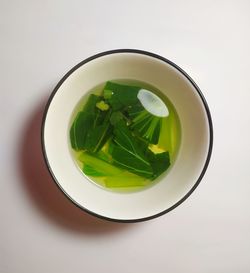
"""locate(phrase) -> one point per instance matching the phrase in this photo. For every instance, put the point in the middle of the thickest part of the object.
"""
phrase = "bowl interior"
(193, 152)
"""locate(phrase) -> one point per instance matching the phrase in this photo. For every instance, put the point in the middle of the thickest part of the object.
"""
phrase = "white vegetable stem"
(152, 103)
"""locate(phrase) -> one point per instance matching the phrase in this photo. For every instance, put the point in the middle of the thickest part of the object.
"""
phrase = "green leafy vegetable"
(115, 135)
(91, 171)
(98, 165)
(107, 94)
(99, 134)
(90, 106)
(91, 128)
(147, 125)
(159, 162)
(126, 152)
(126, 180)
(116, 117)
(78, 132)
(120, 96)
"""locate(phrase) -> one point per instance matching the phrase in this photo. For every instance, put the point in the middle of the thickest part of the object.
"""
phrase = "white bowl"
(196, 135)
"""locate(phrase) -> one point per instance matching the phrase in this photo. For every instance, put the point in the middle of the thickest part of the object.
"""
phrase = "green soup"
(124, 135)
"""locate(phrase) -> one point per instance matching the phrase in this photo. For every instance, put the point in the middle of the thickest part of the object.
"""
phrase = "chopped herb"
(102, 105)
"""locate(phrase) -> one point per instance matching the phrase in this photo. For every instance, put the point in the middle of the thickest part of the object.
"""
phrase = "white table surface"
(40, 230)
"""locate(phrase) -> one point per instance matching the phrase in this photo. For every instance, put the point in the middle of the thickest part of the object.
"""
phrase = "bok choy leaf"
(127, 154)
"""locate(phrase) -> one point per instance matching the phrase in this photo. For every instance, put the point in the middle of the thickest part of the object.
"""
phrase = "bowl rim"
(146, 53)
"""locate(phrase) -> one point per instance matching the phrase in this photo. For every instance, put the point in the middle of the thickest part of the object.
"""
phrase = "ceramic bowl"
(196, 135)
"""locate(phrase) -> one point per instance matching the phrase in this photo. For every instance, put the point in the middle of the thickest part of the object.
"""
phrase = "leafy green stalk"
(148, 126)
(126, 180)
(96, 166)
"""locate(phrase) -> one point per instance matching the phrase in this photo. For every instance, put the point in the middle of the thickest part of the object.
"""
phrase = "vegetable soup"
(124, 135)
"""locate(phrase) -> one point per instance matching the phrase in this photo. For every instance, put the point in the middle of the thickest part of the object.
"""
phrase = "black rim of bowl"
(142, 52)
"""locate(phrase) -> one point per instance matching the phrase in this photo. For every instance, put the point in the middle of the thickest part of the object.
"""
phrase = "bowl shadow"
(42, 190)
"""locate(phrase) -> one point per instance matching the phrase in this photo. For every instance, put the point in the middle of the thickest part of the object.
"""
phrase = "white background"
(40, 230)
